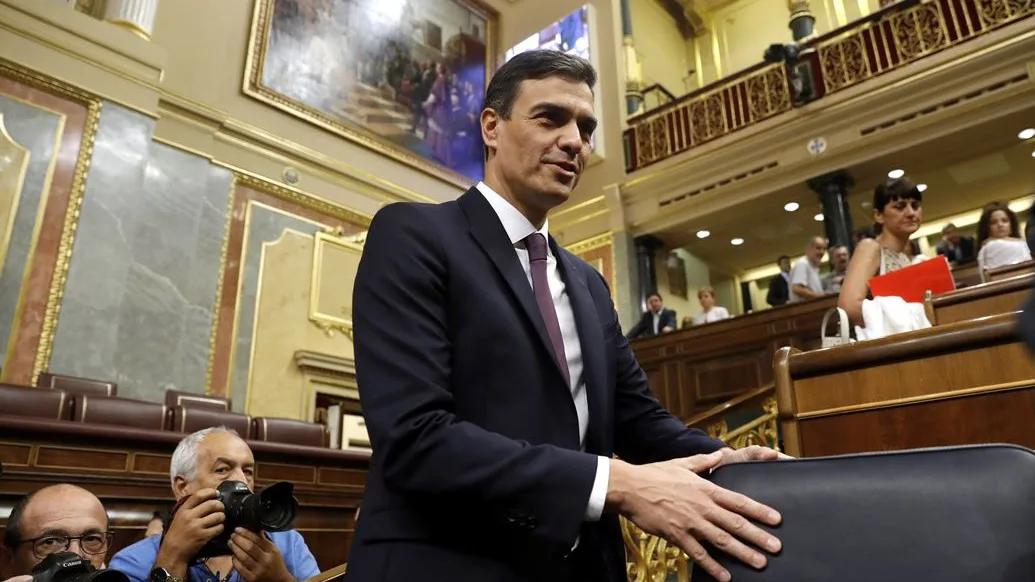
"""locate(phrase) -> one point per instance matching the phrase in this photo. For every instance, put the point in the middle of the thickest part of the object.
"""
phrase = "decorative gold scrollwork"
(996, 12)
(652, 559)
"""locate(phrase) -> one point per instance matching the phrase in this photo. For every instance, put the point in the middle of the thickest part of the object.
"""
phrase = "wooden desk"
(967, 274)
(128, 469)
(1009, 271)
(1001, 296)
(955, 384)
(692, 370)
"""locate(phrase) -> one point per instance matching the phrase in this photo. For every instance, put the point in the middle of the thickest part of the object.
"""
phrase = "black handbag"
(954, 514)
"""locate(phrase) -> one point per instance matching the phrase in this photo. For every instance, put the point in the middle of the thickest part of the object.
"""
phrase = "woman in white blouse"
(711, 312)
(999, 238)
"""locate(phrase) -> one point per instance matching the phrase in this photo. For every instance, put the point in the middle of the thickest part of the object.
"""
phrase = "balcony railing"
(652, 559)
(884, 41)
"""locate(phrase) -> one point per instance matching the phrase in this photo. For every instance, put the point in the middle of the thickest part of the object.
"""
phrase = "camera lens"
(277, 507)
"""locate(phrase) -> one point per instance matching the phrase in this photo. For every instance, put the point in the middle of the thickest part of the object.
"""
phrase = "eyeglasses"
(91, 543)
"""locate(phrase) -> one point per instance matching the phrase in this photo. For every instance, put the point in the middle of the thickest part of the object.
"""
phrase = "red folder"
(912, 282)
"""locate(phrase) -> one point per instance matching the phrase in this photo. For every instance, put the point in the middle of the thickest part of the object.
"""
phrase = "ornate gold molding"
(75, 198)
(217, 307)
(331, 322)
(591, 244)
(296, 196)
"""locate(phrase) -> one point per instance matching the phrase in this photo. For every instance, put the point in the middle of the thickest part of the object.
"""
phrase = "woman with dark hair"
(897, 214)
(999, 238)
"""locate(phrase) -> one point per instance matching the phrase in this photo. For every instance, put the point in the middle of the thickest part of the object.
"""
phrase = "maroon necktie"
(536, 245)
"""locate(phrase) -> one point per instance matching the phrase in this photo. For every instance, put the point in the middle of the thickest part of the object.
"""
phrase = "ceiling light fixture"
(790, 206)
(1027, 133)
(896, 174)
(703, 234)
(921, 187)
(737, 242)
(819, 217)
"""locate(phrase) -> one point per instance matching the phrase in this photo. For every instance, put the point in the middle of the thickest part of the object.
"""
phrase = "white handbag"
(842, 336)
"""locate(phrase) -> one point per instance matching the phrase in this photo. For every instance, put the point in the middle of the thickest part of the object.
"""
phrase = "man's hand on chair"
(752, 453)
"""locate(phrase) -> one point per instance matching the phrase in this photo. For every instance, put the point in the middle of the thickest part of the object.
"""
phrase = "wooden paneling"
(1008, 271)
(129, 470)
(1000, 296)
(998, 417)
(692, 370)
(960, 383)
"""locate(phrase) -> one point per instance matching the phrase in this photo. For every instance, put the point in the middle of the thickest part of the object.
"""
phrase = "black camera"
(71, 567)
(275, 509)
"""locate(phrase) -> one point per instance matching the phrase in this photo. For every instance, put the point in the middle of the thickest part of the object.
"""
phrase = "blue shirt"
(137, 560)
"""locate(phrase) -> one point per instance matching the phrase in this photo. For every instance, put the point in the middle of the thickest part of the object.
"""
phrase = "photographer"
(57, 518)
(200, 463)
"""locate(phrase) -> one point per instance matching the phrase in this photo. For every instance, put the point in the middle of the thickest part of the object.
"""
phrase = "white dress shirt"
(657, 317)
(716, 313)
(518, 228)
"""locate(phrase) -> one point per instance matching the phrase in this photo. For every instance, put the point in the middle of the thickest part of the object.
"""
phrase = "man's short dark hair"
(533, 66)
(654, 294)
(13, 529)
(782, 259)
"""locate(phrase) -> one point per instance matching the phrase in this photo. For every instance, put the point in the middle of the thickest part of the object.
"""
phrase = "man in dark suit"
(958, 249)
(496, 383)
(779, 286)
(656, 320)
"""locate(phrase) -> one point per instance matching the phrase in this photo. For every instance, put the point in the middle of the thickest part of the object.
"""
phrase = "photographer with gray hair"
(201, 462)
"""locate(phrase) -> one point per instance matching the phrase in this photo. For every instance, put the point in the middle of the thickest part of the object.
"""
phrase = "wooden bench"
(695, 369)
(955, 384)
(128, 469)
(1001, 296)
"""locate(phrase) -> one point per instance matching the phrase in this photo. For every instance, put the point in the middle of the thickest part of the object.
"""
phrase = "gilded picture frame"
(330, 298)
(404, 79)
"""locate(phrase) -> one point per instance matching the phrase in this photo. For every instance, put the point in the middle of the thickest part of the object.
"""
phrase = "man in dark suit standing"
(655, 321)
(958, 249)
(779, 286)
(497, 385)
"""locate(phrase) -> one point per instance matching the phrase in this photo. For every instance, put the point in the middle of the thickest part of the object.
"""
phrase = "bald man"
(54, 519)
(806, 282)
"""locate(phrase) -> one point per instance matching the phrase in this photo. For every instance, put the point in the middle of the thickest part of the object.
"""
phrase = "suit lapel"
(591, 339)
(490, 235)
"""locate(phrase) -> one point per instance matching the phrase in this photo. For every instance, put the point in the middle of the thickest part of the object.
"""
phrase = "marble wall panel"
(237, 296)
(39, 131)
(141, 287)
(262, 224)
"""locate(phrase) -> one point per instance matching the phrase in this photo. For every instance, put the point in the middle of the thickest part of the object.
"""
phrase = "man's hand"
(257, 559)
(26, 578)
(671, 500)
(752, 453)
(197, 521)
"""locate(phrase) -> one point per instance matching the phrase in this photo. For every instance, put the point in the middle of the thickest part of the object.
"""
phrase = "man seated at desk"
(56, 518)
(200, 463)
(655, 321)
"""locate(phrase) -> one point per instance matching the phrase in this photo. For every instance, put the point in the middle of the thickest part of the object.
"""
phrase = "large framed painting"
(405, 78)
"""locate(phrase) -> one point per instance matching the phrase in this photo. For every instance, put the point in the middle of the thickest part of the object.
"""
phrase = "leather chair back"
(954, 514)
(121, 411)
(187, 420)
(289, 431)
(174, 398)
(74, 385)
(36, 402)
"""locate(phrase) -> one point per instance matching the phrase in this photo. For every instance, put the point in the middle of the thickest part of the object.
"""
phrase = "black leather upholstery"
(957, 514)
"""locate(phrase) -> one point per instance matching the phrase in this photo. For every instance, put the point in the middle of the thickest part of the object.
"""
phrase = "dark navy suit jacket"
(476, 472)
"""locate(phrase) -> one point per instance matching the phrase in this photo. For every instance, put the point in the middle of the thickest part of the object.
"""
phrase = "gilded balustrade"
(887, 40)
(652, 559)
